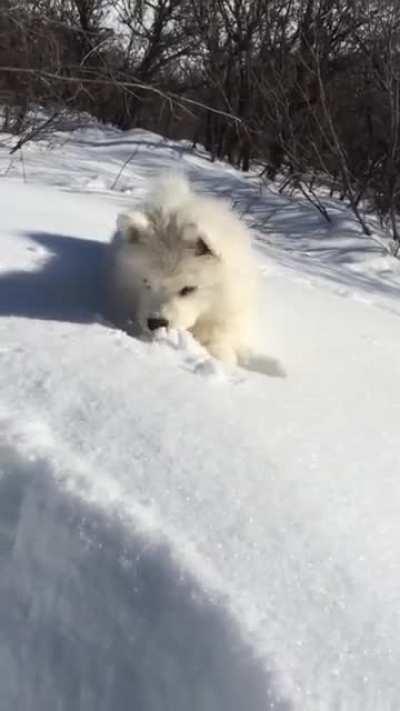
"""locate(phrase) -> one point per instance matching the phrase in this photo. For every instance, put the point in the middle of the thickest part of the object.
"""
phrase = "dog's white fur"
(182, 239)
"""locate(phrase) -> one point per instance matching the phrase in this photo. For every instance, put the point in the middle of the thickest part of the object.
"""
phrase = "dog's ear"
(202, 249)
(198, 241)
(133, 226)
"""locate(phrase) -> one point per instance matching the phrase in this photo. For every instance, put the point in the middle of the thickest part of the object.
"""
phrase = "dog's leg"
(223, 351)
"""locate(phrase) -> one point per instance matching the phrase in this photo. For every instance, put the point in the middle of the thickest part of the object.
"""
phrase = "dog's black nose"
(155, 323)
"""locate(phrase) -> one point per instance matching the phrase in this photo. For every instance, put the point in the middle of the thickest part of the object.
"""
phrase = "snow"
(173, 535)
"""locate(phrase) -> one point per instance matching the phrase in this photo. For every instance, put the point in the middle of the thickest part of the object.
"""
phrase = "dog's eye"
(187, 290)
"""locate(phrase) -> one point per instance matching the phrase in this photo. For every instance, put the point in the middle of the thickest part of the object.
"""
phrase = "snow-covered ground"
(174, 537)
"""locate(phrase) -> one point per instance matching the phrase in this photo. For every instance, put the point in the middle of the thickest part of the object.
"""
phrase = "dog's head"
(176, 268)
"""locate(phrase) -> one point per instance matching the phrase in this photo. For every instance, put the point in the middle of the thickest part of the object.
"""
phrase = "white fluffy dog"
(185, 262)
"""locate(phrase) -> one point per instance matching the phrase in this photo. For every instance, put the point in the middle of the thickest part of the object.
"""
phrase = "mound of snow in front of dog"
(196, 355)
(202, 363)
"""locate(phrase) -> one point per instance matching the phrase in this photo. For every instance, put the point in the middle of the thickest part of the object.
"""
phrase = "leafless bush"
(308, 88)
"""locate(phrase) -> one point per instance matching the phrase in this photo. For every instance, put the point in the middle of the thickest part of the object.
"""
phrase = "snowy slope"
(173, 536)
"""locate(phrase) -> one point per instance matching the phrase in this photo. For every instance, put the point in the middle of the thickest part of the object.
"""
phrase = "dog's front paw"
(224, 352)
